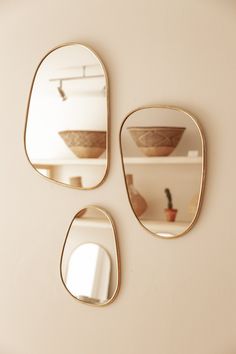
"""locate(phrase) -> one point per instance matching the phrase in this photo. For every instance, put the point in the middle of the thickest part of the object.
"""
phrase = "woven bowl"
(156, 141)
(85, 143)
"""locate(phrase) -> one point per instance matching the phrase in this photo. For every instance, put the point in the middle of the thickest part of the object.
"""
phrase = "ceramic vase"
(138, 203)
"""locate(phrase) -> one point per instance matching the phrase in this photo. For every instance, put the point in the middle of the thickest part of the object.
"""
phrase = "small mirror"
(163, 155)
(66, 136)
(90, 263)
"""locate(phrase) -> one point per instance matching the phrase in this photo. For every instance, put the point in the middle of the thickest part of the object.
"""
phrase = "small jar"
(76, 181)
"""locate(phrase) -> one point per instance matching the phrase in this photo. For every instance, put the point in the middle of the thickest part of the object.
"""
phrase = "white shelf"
(163, 160)
(92, 222)
(72, 162)
(127, 160)
(165, 228)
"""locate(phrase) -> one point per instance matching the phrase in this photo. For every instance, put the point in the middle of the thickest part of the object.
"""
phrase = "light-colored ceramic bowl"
(156, 141)
(85, 143)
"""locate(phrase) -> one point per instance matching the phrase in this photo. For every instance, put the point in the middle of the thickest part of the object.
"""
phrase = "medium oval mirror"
(90, 261)
(66, 135)
(163, 155)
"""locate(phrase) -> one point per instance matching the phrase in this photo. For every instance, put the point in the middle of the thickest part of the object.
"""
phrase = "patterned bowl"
(85, 143)
(156, 141)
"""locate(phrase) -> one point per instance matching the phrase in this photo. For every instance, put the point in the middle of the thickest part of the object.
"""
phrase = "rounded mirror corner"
(163, 153)
(66, 135)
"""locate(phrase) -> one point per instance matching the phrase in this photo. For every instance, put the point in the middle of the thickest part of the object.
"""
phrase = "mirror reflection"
(89, 263)
(163, 156)
(66, 129)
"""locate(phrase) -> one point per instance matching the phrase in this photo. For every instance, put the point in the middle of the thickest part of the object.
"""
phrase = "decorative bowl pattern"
(156, 141)
(85, 143)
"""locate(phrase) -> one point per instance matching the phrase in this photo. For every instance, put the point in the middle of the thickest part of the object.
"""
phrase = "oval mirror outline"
(139, 136)
(92, 226)
(91, 150)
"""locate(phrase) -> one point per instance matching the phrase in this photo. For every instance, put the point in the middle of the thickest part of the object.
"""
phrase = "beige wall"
(177, 296)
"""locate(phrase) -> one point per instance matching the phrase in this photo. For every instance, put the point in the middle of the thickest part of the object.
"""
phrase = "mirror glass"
(163, 155)
(66, 130)
(89, 262)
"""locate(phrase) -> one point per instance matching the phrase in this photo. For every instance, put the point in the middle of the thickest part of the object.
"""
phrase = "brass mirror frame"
(118, 262)
(203, 170)
(107, 120)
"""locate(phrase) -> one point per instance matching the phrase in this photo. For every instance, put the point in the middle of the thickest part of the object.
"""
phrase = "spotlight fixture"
(83, 76)
(61, 91)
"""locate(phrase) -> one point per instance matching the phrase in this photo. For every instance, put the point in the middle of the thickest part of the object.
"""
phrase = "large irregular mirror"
(163, 155)
(66, 135)
(90, 266)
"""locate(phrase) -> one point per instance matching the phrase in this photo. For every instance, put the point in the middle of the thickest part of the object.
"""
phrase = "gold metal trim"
(204, 165)
(116, 243)
(108, 116)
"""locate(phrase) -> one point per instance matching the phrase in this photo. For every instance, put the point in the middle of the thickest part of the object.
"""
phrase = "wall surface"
(177, 296)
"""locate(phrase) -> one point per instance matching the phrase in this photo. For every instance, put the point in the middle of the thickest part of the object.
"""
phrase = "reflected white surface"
(88, 273)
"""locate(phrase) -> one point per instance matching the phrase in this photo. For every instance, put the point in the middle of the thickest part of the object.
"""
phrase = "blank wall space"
(177, 296)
